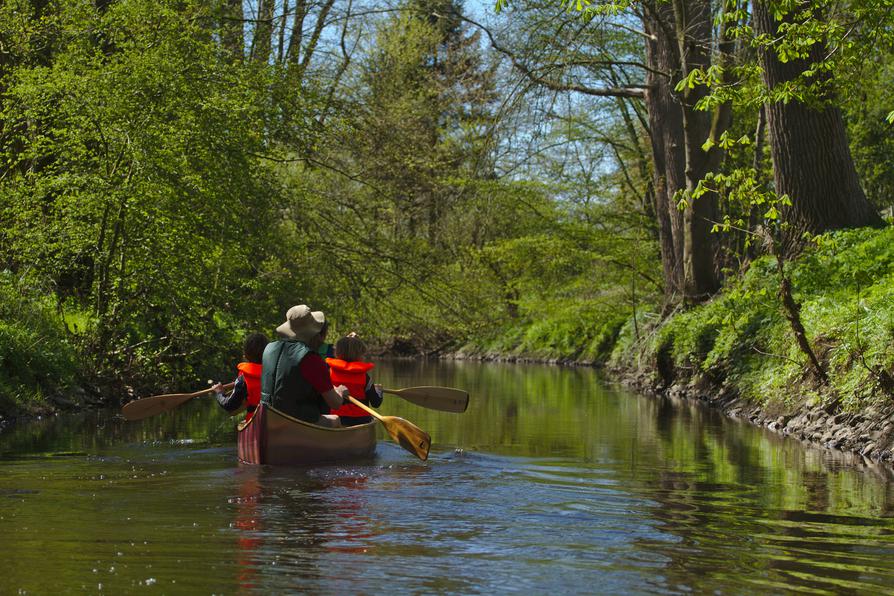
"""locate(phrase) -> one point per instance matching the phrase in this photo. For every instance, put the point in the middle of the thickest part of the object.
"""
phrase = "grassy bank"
(36, 359)
(579, 331)
(742, 340)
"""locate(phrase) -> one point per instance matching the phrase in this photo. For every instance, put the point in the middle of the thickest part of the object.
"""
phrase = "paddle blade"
(408, 435)
(153, 406)
(445, 399)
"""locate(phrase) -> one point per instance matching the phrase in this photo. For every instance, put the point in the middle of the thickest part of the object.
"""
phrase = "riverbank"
(738, 353)
(867, 431)
(37, 363)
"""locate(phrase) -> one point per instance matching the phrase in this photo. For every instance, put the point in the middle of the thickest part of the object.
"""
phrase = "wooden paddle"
(408, 435)
(158, 404)
(445, 399)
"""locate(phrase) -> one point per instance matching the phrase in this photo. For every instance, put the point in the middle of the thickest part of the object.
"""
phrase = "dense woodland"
(663, 185)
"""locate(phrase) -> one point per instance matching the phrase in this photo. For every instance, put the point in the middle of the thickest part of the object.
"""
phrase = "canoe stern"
(271, 437)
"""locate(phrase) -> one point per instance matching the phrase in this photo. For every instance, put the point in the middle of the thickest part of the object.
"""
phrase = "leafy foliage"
(36, 359)
(130, 170)
(171, 181)
(741, 337)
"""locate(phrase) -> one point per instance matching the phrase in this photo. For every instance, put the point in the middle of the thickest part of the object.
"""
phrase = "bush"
(846, 290)
(36, 359)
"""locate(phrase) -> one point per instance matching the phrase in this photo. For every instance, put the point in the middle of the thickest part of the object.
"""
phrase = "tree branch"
(637, 91)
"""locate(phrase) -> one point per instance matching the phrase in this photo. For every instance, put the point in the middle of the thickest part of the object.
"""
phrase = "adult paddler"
(294, 378)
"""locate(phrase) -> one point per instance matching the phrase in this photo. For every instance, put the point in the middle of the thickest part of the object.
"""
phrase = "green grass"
(35, 357)
(846, 290)
(565, 330)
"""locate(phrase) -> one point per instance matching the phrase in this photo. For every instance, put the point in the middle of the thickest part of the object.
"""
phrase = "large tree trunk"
(693, 32)
(680, 41)
(666, 126)
(812, 162)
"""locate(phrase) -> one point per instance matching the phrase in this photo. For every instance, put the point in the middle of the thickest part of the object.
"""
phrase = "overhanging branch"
(633, 91)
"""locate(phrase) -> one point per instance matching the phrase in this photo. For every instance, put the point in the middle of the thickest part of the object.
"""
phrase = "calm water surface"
(551, 482)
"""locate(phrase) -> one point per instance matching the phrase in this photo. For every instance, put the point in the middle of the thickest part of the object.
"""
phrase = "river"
(552, 481)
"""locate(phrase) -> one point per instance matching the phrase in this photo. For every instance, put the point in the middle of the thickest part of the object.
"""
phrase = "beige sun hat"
(302, 323)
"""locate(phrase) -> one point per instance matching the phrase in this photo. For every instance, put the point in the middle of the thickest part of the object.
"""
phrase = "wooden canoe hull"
(271, 437)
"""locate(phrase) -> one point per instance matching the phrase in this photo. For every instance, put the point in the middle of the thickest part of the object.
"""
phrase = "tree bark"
(693, 33)
(293, 53)
(812, 163)
(231, 37)
(666, 125)
(680, 41)
(262, 41)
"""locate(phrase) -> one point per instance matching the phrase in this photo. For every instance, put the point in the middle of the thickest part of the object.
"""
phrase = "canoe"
(272, 437)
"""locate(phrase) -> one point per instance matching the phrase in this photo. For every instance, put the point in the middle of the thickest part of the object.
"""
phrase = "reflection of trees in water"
(517, 408)
(737, 500)
(200, 421)
(723, 492)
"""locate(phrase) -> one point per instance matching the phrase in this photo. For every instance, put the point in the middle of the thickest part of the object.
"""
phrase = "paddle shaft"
(366, 409)
(158, 404)
(409, 436)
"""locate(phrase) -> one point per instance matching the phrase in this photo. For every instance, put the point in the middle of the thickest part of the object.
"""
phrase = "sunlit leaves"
(133, 159)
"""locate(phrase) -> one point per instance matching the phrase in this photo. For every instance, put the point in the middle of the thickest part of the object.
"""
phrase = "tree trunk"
(666, 125)
(293, 53)
(263, 33)
(231, 38)
(681, 35)
(283, 25)
(693, 32)
(812, 163)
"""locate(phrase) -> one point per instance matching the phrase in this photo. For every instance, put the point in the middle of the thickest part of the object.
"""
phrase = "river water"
(552, 481)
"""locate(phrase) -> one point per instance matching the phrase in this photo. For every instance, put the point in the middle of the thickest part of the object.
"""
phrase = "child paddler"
(349, 369)
(247, 387)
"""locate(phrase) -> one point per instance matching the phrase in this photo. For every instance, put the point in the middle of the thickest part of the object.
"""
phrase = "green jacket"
(283, 387)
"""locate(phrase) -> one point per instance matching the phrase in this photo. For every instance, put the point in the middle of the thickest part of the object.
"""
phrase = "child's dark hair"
(253, 347)
(350, 348)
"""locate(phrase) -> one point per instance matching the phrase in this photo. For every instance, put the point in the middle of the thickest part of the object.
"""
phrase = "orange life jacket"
(251, 372)
(353, 376)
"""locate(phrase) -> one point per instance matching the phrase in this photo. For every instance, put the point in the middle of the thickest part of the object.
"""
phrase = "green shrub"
(845, 287)
(35, 357)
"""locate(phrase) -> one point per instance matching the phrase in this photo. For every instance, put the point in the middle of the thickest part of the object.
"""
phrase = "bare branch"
(637, 91)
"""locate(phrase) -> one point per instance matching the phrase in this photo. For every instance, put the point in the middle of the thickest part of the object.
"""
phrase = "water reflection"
(550, 482)
(249, 528)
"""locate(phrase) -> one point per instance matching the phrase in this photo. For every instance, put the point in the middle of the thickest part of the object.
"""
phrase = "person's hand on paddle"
(343, 392)
(336, 397)
(236, 400)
